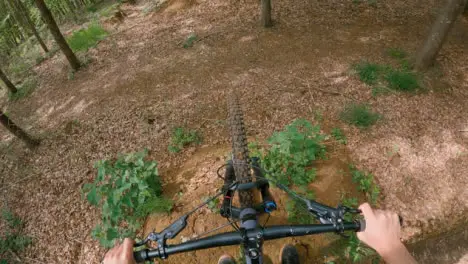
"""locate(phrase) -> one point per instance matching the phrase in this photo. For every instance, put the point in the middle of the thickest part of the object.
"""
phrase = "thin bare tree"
(265, 15)
(11, 87)
(54, 29)
(17, 131)
(29, 23)
(448, 15)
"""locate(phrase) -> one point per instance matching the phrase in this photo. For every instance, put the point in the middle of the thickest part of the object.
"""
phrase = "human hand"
(383, 230)
(120, 254)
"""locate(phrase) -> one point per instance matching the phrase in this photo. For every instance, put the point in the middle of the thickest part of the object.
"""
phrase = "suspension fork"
(267, 198)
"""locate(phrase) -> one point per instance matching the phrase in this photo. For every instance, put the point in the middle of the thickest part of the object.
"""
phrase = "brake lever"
(169, 232)
(329, 215)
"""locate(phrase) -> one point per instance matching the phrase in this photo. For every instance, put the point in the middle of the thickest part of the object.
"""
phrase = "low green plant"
(213, 205)
(369, 73)
(291, 153)
(297, 210)
(397, 53)
(318, 115)
(366, 183)
(339, 136)
(359, 115)
(86, 38)
(91, 9)
(385, 78)
(351, 202)
(12, 238)
(13, 221)
(110, 10)
(406, 65)
(188, 43)
(126, 190)
(24, 89)
(402, 80)
(357, 251)
(153, 204)
(182, 137)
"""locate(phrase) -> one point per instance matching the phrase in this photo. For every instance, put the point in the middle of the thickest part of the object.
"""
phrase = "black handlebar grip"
(362, 225)
(140, 256)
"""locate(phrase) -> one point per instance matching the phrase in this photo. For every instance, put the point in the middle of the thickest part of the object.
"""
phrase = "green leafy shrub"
(84, 39)
(181, 138)
(365, 183)
(402, 80)
(359, 115)
(339, 136)
(288, 157)
(126, 190)
(292, 151)
(12, 238)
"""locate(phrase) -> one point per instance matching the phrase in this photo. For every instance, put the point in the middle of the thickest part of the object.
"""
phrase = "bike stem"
(252, 247)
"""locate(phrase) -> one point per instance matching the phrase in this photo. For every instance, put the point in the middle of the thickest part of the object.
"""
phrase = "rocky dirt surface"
(141, 83)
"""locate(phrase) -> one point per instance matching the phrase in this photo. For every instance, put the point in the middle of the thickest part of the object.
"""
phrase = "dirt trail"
(196, 179)
(298, 68)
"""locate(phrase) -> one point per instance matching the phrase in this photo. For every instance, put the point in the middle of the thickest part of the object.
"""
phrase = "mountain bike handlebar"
(236, 238)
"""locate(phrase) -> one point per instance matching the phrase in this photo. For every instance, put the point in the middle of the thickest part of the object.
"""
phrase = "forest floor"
(141, 83)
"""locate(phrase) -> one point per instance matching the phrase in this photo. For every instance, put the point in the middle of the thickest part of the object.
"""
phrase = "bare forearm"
(398, 255)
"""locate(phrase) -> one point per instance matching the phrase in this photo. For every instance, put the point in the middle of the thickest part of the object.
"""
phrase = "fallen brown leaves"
(281, 74)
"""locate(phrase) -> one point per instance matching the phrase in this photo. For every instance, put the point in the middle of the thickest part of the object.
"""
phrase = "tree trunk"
(7, 82)
(16, 15)
(427, 54)
(17, 131)
(24, 11)
(265, 16)
(54, 29)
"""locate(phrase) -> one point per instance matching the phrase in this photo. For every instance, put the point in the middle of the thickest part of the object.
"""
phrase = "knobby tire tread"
(240, 150)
